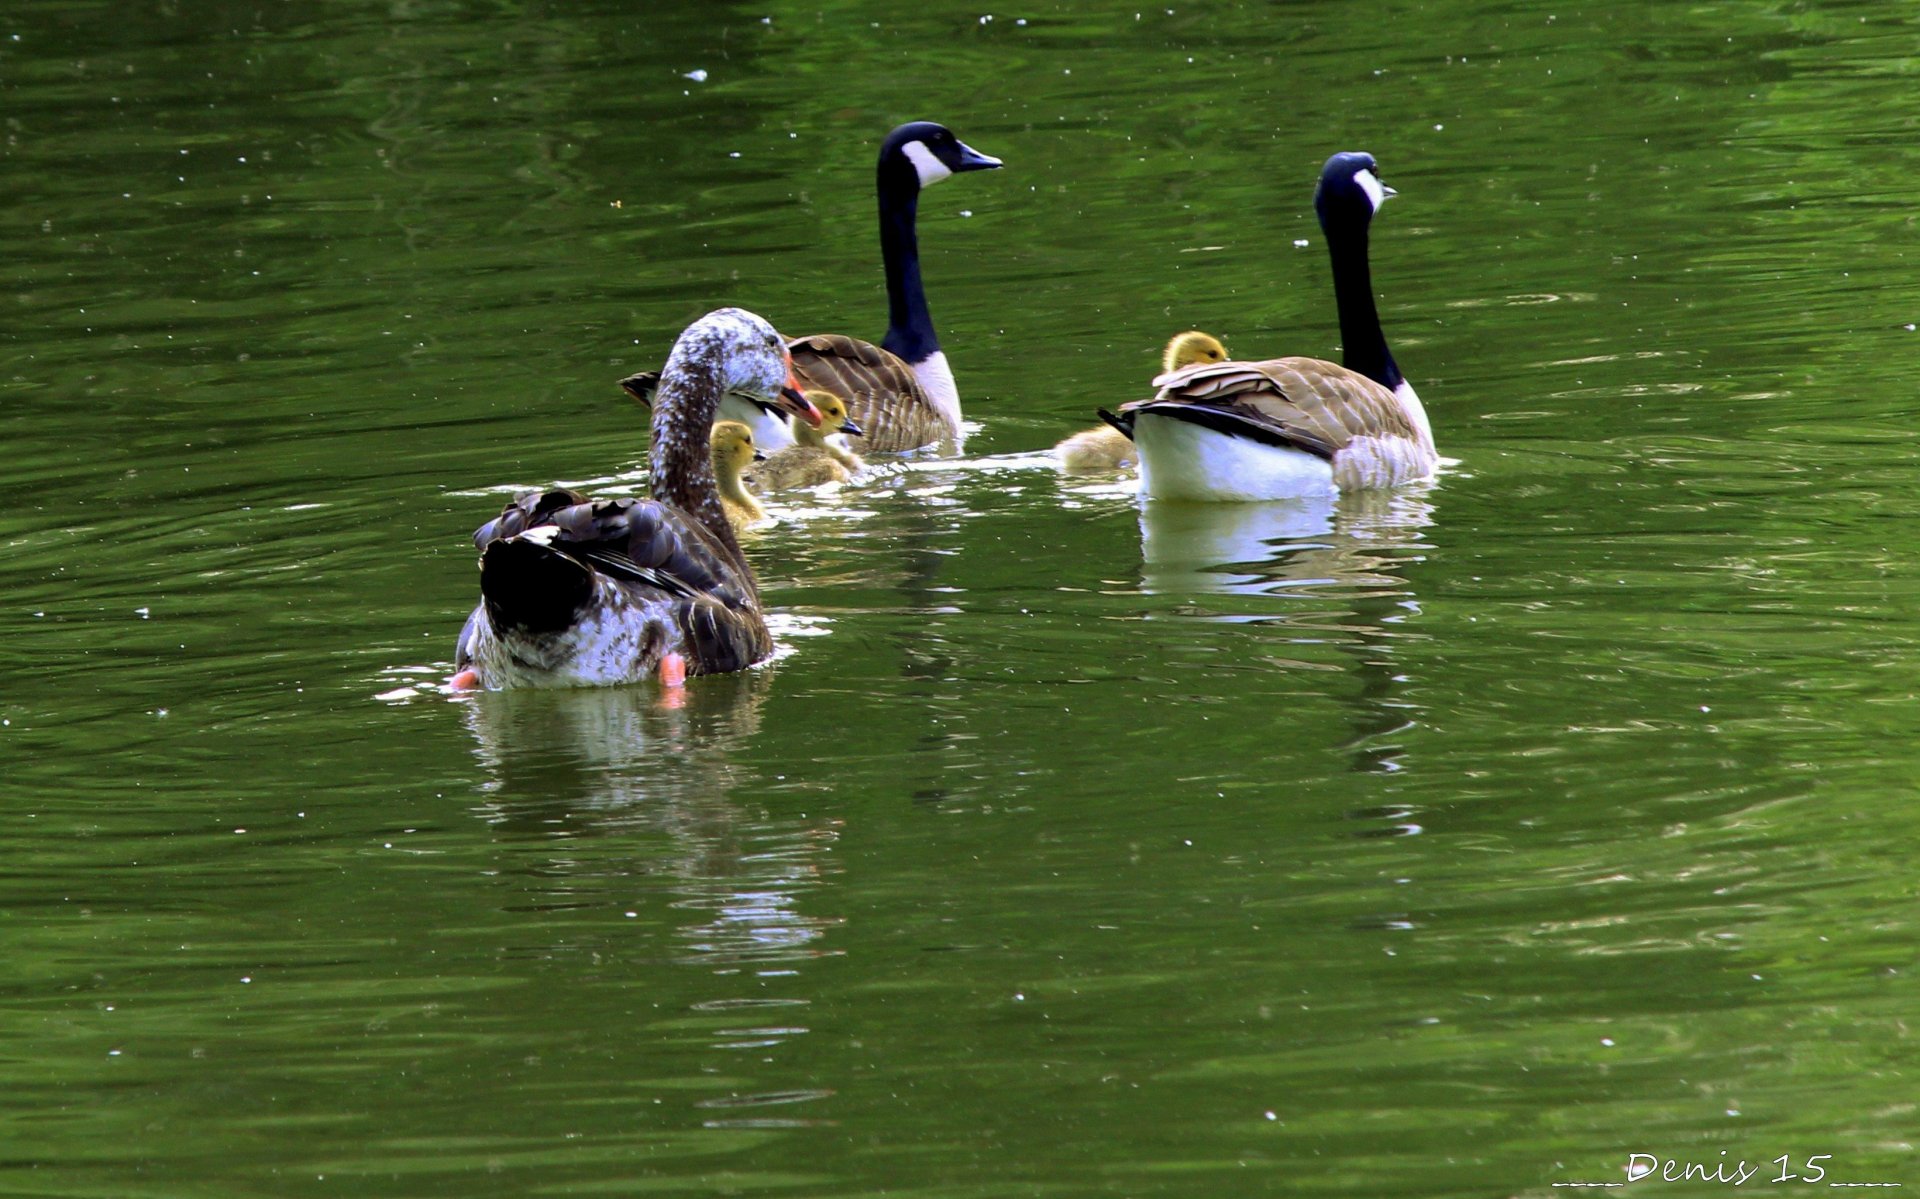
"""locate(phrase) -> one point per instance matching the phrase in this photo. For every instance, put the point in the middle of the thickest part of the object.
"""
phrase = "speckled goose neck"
(730, 350)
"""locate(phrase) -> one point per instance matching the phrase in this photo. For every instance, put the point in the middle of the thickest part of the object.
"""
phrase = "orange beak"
(792, 401)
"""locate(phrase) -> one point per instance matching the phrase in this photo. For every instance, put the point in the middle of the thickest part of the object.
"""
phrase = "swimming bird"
(578, 592)
(900, 391)
(1293, 426)
(1105, 448)
(733, 452)
(814, 459)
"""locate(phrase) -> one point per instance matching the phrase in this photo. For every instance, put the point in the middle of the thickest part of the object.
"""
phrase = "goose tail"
(641, 386)
(531, 587)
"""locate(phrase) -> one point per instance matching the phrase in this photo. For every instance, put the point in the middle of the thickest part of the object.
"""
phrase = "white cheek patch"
(930, 169)
(1370, 184)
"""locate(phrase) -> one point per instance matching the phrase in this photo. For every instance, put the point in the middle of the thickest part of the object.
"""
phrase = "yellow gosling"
(733, 453)
(814, 459)
(1104, 448)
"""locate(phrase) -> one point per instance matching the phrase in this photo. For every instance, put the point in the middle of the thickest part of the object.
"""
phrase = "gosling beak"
(759, 455)
(849, 428)
(973, 160)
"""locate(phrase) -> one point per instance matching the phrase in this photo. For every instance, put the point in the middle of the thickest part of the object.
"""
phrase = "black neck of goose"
(680, 454)
(909, 325)
(1363, 347)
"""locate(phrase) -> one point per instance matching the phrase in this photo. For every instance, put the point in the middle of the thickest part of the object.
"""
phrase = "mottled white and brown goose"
(578, 592)
(901, 392)
(1293, 426)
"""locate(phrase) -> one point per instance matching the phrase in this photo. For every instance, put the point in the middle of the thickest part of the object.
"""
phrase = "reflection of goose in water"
(1350, 540)
(1347, 557)
(614, 752)
(617, 763)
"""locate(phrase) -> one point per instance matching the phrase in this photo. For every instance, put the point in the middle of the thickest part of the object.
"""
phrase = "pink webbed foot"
(673, 680)
(464, 680)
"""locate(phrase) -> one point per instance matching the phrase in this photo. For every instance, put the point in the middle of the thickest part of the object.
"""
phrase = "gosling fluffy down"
(1104, 448)
(818, 456)
(733, 452)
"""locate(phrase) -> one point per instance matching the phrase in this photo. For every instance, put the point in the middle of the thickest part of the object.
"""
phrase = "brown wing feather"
(1319, 406)
(883, 396)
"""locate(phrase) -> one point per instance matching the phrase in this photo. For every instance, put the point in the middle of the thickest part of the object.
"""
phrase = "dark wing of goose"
(1316, 406)
(652, 552)
(629, 540)
(883, 396)
(524, 512)
(660, 549)
(652, 544)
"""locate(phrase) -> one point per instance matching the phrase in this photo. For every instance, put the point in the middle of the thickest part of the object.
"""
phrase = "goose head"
(1191, 348)
(743, 354)
(833, 413)
(1349, 191)
(925, 152)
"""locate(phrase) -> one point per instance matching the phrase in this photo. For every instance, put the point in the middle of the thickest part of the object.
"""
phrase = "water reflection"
(620, 761)
(1348, 558)
(1357, 542)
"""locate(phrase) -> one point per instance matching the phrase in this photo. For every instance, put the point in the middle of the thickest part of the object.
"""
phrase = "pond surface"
(1457, 842)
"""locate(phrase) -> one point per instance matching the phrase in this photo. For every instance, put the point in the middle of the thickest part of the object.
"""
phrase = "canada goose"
(733, 452)
(815, 459)
(1293, 426)
(900, 391)
(1105, 448)
(579, 592)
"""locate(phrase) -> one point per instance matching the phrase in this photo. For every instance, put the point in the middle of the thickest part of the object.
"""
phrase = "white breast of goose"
(1417, 413)
(770, 432)
(936, 379)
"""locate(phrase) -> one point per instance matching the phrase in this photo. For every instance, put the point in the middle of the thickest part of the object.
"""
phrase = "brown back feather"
(882, 393)
(1319, 406)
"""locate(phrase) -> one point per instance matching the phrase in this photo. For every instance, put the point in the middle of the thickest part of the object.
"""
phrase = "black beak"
(970, 159)
(849, 428)
(792, 401)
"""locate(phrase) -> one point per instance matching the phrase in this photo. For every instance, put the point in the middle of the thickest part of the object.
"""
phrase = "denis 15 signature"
(1786, 1168)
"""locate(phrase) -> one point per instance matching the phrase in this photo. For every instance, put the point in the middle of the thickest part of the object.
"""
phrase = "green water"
(1454, 843)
